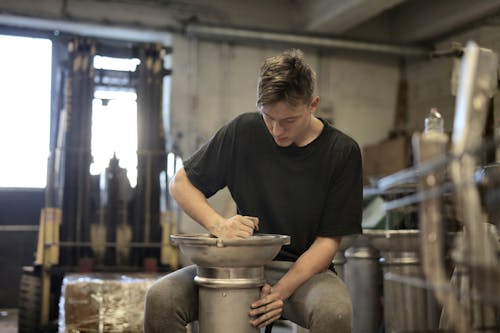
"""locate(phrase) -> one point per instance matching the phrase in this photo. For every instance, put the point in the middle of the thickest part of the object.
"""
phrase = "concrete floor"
(279, 327)
(8, 324)
(8, 320)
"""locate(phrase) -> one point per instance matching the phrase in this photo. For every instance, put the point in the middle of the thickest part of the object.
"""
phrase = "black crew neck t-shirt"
(303, 192)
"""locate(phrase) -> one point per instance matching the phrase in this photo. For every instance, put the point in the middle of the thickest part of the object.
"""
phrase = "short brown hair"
(286, 77)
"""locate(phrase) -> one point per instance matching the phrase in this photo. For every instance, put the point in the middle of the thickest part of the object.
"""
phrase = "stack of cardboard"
(103, 303)
(385, 158)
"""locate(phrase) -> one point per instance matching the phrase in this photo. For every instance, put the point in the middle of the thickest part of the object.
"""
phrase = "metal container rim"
(207, 239)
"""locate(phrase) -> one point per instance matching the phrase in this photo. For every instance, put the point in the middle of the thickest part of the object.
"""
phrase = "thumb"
(266, 290)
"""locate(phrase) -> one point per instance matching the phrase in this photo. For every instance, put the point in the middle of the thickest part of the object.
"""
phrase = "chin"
(283, 143)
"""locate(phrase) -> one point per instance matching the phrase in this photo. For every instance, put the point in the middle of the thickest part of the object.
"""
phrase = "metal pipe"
(227, 290)
(361, 273)
(91, 29)
(152, 34)
(246, 35)
(17, 228)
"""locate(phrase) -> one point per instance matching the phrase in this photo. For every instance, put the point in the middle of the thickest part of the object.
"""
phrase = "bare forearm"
(315, 260)
(193, 202)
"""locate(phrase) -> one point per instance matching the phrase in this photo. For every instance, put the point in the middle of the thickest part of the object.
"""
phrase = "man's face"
(289, 124)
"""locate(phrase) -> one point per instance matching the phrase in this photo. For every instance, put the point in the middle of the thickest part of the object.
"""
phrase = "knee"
(334, 314)
(157, 297)
(153, 299)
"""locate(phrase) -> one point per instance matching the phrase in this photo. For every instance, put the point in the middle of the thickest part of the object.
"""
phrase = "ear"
(314, 104)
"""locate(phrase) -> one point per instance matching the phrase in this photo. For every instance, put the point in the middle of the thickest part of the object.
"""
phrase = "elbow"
(175, 183)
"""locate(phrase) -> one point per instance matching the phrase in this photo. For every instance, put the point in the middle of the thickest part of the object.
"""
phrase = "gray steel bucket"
(408, 305)
(230, 273)
(361, 273)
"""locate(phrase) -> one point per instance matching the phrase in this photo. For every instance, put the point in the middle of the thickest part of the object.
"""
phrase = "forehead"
(283, 109)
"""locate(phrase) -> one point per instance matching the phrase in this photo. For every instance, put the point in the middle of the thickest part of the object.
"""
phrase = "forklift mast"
(88, 225)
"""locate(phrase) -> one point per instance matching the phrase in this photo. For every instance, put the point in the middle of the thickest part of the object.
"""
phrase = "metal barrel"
(361, 275)
(408, 305)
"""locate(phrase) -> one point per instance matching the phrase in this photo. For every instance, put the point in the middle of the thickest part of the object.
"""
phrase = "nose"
(276, 129)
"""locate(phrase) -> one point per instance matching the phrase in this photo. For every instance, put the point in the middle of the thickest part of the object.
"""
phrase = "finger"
(241, 229)
(265, 300)
(265, 290)
(246, 229)
(269, 321)
(255, 222)
(266, 308)
(242, 234)
(247, 221)
(267, 318)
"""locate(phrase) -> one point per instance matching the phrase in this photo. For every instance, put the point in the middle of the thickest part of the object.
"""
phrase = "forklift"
(99, 223)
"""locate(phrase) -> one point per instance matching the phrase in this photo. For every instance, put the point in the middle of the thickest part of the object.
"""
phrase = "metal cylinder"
(408, 306)
(225, 295)
(339, 263)
(361, 273)
(229, 273)
(226, 307)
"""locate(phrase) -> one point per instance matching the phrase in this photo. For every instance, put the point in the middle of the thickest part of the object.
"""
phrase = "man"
(290, 173)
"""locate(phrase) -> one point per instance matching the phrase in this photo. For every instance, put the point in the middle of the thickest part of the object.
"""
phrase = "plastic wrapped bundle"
(103, 303)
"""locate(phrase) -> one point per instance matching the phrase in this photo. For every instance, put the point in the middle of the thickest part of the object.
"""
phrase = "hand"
(267, 309)
(237, 226)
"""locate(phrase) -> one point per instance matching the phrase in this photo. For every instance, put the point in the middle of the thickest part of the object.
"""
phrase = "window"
(114, 120)
(25, 86)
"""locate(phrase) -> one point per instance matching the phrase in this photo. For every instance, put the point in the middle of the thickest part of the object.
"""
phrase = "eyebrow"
(287, 118)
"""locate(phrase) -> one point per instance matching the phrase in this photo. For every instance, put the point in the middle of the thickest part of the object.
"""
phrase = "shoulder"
(245, 124)
(344, 154)
(247, 119)
(340, 142)
(238, 124)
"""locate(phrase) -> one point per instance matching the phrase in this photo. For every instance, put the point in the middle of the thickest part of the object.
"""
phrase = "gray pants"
(322, 304)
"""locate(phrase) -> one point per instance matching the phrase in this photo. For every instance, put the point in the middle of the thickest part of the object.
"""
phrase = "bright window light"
(174, 163)
(25, 85)
(117, 64)
(114, 131)
(114, 122)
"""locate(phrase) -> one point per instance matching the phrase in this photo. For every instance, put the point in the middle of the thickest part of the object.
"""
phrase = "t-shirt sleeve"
(208, 168)
(344, 204)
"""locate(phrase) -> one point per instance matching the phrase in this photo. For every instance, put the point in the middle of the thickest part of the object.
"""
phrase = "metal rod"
(91, 29)
(412, 174)
(18, 228)
(418, 197)
(422, 283)
(107, 244)
(246, 35)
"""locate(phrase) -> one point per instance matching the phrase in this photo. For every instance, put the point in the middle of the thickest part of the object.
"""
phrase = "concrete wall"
(429, 81)
(214, 82)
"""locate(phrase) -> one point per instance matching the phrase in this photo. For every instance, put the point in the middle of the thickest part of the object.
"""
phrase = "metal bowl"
(407, 240)
(347, 241)
(394, 240)
(208, 251)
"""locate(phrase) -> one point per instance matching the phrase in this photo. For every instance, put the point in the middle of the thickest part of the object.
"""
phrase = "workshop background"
(381, 65)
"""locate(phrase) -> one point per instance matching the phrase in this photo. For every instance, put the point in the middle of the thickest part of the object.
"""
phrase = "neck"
(313, 131)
